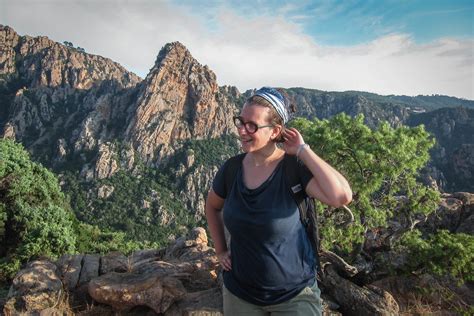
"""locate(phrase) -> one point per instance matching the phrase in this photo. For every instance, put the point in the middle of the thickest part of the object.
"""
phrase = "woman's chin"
(246, 147)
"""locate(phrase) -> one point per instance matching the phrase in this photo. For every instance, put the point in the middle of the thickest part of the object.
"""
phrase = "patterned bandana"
(276, 100)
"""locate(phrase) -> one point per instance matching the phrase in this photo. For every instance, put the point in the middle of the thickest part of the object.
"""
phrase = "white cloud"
(251, 51)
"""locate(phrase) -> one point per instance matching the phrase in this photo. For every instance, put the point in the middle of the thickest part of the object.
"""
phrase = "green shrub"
(35, 219)
(441, 253)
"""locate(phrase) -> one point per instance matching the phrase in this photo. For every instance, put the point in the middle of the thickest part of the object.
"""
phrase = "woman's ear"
(276, 131)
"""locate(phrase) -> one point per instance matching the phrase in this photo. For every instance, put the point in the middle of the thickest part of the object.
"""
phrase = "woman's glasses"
(250, 127)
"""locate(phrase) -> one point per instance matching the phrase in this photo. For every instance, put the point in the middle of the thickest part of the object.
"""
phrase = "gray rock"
(70, 269)
(114, 262)
(90, 268)
(124, 291)
(35, 288)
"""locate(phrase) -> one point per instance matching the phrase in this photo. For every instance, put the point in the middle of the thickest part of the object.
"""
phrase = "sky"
(404, 47)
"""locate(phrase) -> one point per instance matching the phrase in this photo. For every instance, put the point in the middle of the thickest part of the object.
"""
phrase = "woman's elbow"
(343, 199)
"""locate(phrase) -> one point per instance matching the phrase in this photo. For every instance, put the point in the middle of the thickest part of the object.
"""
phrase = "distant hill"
(426, 102)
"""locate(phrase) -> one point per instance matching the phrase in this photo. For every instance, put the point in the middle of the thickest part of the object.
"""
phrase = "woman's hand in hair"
(293, 140)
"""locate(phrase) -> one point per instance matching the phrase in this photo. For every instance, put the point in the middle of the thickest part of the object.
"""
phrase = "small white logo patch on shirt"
(297, 188)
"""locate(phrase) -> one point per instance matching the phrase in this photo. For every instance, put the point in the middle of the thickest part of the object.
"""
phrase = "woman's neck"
(265, 156)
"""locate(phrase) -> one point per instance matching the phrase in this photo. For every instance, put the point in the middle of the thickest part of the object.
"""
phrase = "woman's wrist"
(300, 149)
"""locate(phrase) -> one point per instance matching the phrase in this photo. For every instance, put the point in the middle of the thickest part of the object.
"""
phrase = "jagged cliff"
(453, 154)
(178, 100)
(61, 99)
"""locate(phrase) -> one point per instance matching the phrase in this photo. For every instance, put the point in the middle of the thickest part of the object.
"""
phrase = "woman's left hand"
(293, 140)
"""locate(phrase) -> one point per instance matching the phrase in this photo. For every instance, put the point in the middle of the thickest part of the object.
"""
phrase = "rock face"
(78, 102)
(58, 95)
(453, 153)
(178, 100)
(455, 213)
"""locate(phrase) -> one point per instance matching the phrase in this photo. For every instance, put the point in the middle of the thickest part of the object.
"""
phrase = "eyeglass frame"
(244, 124)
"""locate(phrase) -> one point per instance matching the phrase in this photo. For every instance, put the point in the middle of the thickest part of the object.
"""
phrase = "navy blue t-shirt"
(272, 257)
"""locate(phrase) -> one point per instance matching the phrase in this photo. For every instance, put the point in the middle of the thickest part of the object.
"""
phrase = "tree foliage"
(441, 253)
(34, 216)
(91, 239)
(381, 166)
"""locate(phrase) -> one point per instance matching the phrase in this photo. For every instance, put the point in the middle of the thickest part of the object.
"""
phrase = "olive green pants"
(306, 303)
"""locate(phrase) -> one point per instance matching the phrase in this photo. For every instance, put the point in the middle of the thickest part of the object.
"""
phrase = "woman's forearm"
(216, 227)
(328, 181)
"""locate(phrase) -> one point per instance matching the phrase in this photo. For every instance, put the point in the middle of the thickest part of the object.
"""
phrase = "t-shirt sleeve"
(305, 174)
(218, 185)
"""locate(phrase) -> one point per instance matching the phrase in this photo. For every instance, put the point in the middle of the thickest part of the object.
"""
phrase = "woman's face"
(263, 136)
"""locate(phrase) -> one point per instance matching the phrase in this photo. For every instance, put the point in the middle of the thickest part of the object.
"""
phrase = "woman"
(270, 266)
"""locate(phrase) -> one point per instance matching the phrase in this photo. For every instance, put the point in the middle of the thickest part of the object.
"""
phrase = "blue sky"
(387, 47)
(344, 23)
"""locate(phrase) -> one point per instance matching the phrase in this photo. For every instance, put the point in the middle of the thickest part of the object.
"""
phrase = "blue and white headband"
(275, 98)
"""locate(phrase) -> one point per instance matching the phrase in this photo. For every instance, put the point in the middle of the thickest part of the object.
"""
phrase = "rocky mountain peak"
(41, 62)
(170, 54)
(179, 99)
(175, 60)
(8, 43)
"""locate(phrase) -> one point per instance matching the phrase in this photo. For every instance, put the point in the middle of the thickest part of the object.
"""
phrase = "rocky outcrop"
(181, 279)
(35, 288)
(196, 186)
(453, 154)
(178, 100)
(64, 103)
(178, 280)
(60, 100)
(9, 40)
(41, 62)
(106, 164)
(125, 291)
(455, 213)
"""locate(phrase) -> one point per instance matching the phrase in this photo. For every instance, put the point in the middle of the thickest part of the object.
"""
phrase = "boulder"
(453, 214)
(69, 270)
(123, 291)
(358, 300)
(35, 288)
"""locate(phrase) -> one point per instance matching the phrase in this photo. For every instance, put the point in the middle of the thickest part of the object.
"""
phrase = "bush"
(442, 253)
(35, 219)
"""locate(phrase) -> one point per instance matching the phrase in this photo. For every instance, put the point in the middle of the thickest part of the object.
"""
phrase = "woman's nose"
(242, 130)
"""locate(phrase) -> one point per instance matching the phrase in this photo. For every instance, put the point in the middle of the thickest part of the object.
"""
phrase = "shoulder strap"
(294, 185)
(230, 171)
(305, 203)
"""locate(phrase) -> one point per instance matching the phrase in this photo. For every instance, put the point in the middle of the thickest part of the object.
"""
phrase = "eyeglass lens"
(250, 127)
